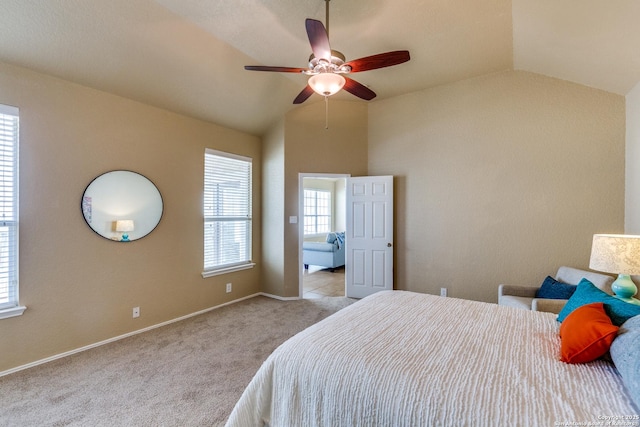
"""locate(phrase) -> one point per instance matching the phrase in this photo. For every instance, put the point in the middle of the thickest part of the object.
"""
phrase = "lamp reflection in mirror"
(326, 84)
(124, 226)
(618, 254)
(122, 195)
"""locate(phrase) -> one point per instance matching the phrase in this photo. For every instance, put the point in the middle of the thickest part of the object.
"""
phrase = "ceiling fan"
(328, 67)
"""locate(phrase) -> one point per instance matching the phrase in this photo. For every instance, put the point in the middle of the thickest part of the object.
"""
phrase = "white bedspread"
(406, 359)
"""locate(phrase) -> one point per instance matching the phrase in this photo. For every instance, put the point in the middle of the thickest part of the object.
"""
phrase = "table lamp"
(618, 254)
(124, 226)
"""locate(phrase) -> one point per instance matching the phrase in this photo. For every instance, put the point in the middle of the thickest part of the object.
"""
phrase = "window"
(227, 213)
(317, 211)
(9, 212)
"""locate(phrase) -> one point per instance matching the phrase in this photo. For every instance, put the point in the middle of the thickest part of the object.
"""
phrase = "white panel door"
(369, 240)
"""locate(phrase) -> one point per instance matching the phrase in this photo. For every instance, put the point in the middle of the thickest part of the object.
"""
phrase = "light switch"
(293, 220)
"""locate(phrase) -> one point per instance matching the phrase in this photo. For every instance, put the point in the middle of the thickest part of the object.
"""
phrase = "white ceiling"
(188, 55)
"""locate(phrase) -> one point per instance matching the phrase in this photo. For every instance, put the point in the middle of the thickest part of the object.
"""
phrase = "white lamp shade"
(124, 225)
(615, 253)
(326, 84)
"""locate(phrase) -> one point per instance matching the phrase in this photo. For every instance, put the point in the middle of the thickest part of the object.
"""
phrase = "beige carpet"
(189, 373)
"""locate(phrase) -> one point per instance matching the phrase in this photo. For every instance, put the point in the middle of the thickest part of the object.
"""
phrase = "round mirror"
(122, 206)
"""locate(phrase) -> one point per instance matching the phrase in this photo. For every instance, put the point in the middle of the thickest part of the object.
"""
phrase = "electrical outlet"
(228, 287)
(443, 292)
(136, 312)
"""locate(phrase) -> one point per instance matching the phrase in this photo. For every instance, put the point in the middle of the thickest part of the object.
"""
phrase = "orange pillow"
(586, 334)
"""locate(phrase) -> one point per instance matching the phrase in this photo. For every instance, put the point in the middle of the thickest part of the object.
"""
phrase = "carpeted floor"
(189, 373)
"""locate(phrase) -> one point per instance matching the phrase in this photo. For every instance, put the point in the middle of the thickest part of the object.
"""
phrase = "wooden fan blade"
(276, 69)
(358, 89)
(380, 60)
(318, 39)
(304, 95)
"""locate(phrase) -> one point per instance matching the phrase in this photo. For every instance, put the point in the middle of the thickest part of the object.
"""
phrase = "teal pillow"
(619, 311)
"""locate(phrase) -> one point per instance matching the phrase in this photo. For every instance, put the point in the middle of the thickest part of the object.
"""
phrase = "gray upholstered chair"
(525, 296)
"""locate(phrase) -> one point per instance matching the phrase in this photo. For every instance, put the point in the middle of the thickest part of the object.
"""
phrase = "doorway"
(322, 217)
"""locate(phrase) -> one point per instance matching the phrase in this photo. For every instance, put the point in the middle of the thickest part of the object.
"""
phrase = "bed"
(400, 358)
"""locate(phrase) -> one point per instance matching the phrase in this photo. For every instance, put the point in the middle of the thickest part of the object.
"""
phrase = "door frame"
(301, 177)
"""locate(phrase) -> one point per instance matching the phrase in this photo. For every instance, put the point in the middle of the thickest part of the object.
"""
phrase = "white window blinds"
(227, 210)
(8, 207)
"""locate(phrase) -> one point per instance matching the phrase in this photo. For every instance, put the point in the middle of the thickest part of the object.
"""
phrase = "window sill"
(211, 273)
(12, 312)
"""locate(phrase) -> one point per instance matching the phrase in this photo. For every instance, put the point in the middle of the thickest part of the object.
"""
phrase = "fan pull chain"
(326, 112)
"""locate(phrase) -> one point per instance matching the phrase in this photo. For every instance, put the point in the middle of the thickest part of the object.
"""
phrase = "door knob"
(389, 245)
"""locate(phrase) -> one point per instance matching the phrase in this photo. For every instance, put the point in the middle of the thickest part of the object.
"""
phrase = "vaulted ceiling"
(188, 55)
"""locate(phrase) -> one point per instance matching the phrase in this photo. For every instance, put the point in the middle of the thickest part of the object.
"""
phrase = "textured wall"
(273, 210)
(310, 148)
(79, 288)
(499, 179)
(632, 189)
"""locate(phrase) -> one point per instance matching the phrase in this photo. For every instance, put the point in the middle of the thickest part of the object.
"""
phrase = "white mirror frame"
(114, 199)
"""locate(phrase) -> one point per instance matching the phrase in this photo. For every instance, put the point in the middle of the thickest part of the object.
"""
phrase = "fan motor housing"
(320, 65)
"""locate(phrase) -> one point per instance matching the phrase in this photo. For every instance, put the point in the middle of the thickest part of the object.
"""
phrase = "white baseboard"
(127, 335)
(278, 297)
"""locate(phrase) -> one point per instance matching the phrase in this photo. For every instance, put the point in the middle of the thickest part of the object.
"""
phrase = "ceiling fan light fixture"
(326, 65)
(326, 84)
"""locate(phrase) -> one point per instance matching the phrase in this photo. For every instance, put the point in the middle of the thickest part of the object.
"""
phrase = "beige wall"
(310, 148)
(79, 288)
(273, 210)
(632, 171)
(499, 179)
